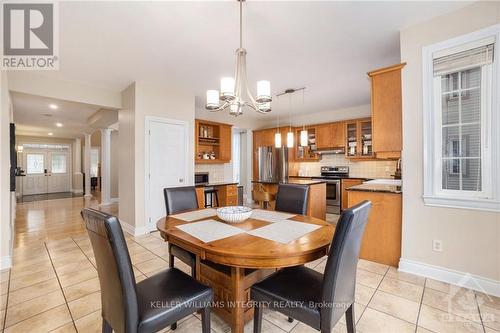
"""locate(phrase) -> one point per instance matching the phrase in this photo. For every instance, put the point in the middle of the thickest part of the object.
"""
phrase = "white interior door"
(167, 164)
(35, 181)
(58, 179)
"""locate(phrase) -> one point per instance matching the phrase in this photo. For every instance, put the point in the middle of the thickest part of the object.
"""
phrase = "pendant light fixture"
(233, 90)
(277, 135)
(303, 134)
(289, 135)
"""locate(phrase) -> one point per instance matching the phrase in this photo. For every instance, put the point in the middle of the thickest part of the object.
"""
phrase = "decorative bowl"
(234, 214)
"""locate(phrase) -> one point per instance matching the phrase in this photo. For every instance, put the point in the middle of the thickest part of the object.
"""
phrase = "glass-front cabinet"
(359, 138)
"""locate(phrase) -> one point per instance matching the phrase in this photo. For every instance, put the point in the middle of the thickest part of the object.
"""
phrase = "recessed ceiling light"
(59, 124)
(53, 106)
(50, 133)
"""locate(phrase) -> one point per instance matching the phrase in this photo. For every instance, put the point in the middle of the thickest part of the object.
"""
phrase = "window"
(35, 164)
(59, 163)
(94, 162)
(460, 135)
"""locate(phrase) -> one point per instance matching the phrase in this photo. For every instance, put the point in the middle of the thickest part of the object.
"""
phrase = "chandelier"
(233, 90)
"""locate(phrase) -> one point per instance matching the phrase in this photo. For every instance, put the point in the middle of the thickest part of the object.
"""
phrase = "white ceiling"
(326, 46)
(33, 116)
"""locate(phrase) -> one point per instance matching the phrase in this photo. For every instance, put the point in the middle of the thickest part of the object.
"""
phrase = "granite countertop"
(376, 188)
(309, 177)
(293, 181)
(210, 184)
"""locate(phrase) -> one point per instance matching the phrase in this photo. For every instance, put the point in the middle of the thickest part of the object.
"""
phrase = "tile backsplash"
(365, 169)
(216, 172)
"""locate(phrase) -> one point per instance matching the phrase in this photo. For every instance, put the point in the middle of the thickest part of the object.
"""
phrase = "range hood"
(331, 151)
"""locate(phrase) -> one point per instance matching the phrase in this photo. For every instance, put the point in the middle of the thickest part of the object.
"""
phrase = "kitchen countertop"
(210, 184)
(376, 188)
(309, 177)
(292, 181)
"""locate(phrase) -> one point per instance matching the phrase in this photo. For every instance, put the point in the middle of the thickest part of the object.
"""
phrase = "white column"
(105, 166)
(87, 164)
(77, 161)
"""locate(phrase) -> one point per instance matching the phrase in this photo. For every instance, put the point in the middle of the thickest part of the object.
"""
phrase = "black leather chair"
(323, 299)
(147, 306)
(292, 198)
(178, 199)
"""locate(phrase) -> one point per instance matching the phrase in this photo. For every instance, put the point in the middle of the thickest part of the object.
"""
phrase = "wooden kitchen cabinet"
(306, 153)
(330, 135)
(344, 195)
(212, 138)
(387, 111)
(228, 195)
(358, 137)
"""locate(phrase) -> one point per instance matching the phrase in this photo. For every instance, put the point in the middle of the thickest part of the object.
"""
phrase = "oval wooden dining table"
(232, 265)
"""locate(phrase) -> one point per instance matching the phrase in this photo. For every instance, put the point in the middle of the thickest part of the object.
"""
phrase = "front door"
(46, 172)
(167, 150)
(59, 176)
(35, 181)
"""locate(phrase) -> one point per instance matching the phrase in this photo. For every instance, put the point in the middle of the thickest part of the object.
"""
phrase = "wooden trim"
(386, 69)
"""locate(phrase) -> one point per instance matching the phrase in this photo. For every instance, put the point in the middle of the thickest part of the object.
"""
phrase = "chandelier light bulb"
(289, 140)
(303, 137)
(277, 140)
(227, 88)
(212, 99)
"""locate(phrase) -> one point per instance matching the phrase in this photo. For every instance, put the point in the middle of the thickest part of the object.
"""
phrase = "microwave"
(201, 178)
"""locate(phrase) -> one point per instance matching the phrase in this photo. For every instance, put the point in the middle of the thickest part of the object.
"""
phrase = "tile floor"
(53, 287)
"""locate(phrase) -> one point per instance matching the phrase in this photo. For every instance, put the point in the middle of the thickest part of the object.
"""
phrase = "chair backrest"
(118, 286)
(292, 198)
(340, 271)
(180, 198)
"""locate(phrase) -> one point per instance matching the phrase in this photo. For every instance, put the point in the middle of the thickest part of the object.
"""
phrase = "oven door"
(333, 196)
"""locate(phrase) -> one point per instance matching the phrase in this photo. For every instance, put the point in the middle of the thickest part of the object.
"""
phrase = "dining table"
(246, 255)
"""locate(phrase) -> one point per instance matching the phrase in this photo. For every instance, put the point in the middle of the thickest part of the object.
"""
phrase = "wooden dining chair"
(292, 198)
(327, 296)
(178, 199)
(150, 305)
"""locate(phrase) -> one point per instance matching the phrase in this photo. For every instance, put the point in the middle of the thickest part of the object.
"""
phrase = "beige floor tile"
(190, 325)
(140, 278)
(490, 317)
(85, 305)
(396, 306)
(3, 301)
(441, 322)
(22, 311)
(423, 330)
(41, 267)
(368, 279)
(81, 289)
(394, 273)
(162, 252)
(438, 285)
(374, 321)
(372, 266)
(316, 262)
(43, 322)
(68, 328)
(491, 301)
(36, 290)
(216, 323)
(74, 266)
(91, 323)
(70, 279)
(489, 330)
(462, 303)
(141, 257)
(152, 265)
(279, 320)
(363, 294)
(321, 267)
(4, 287)
(31, 279)
(5, 275)
(69, 259)
(2, 317)
(267, 327)
(402, 289)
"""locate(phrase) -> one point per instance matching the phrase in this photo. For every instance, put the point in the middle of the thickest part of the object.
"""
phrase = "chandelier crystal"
(233, 90)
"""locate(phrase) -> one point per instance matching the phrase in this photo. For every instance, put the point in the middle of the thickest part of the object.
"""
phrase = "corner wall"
(471, 239)
(5, 195)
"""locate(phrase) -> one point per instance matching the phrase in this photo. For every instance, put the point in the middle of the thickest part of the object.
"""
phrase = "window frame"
(488, 198)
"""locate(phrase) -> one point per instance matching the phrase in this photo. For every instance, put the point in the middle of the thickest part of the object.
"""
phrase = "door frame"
(151, 225)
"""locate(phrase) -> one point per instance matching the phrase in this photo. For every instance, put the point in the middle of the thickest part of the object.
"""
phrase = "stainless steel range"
(332, 176)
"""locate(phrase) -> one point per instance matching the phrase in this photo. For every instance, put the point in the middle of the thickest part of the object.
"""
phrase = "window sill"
(462, 203)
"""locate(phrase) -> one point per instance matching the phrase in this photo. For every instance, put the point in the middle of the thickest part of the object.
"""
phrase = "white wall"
(139, 100)
(114, 163)
(471, 239)
(5, 196)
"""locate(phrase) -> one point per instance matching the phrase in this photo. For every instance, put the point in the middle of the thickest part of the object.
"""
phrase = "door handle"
(181, 180)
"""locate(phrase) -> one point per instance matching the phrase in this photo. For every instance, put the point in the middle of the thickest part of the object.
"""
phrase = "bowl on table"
(234, 214)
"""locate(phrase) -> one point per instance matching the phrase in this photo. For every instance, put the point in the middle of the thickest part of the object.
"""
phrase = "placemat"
(270, 215)
(210, 230)
(196, 215)
(284, 232)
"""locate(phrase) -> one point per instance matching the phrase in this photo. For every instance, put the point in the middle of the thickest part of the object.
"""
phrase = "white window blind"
(463, 60)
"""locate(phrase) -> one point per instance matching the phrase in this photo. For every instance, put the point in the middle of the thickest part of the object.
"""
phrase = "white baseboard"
(475, 282)
(5, 262)
(114, 200)
(77, 191)
(132, 230)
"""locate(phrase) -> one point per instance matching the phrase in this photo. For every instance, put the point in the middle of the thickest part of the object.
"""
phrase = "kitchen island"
(382, 238)
(227, 193)
(316, 200)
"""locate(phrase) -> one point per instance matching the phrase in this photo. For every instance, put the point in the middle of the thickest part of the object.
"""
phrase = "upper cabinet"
(212, 142)
(330, 135)
(386, 111)
(358, 139)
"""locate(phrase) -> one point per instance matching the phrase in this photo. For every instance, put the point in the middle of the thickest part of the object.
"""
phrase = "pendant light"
(277, 136)
(289, 135)
(303, 134)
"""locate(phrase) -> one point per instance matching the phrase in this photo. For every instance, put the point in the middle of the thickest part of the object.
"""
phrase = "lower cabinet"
(344, 195)
(227, 194)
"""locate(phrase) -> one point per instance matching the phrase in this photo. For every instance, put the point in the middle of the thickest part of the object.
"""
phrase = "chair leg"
(257, 318)
(171, 261)
(205, 320)
(173, 326)
(105, 327)
(290, 319)
(350, 319)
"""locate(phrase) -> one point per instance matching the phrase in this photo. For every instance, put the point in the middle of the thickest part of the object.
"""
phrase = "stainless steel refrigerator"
(273, 164)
